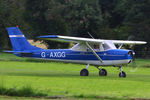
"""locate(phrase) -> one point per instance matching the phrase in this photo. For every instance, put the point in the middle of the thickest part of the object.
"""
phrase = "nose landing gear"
(122, 73)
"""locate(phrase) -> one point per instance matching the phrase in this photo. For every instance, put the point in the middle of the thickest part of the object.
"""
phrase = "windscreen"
(79, 47)
(108, 45)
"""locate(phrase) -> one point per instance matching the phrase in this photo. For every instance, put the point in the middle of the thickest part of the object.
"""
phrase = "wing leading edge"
(80, 40)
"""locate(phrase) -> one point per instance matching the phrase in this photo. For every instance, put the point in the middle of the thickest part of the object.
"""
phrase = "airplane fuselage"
(110, 57)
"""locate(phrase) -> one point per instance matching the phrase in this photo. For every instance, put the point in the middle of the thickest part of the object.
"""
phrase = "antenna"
(90, 35)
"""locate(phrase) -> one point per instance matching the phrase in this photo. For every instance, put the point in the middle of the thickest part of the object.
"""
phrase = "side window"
(96, 46)
(101, 47)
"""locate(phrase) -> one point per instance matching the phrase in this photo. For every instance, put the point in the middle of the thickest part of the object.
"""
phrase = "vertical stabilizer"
(18, 40)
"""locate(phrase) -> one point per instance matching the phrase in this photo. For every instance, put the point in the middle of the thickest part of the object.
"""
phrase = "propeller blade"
(133, 64)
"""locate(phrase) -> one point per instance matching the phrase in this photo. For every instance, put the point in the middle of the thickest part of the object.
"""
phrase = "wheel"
(123, 74)
(84, 72)
(102, 72)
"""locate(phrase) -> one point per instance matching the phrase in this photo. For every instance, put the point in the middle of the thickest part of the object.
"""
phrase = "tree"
(136, 17)
(10, 15)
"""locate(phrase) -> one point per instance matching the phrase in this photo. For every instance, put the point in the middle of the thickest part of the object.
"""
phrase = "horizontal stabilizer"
(22, 52)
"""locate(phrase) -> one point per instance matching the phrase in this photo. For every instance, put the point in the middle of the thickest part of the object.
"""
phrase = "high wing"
(89, 40)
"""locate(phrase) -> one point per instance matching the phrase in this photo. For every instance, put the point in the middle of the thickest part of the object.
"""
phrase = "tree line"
(104, 19)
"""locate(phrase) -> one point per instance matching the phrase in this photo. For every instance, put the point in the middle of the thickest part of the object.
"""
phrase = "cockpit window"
(79, 47)
(108, 45)
(97, 47)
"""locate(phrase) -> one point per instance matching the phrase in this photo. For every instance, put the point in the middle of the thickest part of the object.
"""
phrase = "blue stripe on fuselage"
(68, 54)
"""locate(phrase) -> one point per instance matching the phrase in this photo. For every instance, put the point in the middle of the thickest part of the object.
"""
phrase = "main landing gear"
(102, 72)
(84, 72)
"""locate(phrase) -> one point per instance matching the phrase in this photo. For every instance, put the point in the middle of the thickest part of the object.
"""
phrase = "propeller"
(133, 64)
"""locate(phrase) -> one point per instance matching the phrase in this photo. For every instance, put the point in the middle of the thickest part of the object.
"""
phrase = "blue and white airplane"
(97, 52)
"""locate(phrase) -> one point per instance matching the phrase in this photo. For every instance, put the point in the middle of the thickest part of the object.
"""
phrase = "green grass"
(26, 91)
(58, 79)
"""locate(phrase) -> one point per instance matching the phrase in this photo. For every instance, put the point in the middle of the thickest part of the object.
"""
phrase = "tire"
(84, 72)
(102, 72)
(123, 74)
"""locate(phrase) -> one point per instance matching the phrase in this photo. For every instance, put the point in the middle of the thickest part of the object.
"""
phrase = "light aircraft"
(97, 52)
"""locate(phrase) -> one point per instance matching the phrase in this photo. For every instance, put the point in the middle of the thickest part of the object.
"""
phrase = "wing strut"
(120, 46)
(94, 52)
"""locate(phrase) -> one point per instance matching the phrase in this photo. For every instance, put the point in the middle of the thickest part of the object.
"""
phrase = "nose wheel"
(122, 73)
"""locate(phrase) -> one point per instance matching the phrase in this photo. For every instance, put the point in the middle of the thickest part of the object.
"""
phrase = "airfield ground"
(62, 81)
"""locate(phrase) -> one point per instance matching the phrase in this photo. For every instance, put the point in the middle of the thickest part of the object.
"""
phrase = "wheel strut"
(87, 66)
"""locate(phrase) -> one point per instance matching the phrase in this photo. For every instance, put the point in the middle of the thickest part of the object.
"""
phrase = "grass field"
(63, 80)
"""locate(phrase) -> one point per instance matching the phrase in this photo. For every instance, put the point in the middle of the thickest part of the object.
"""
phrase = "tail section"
(18, 40)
